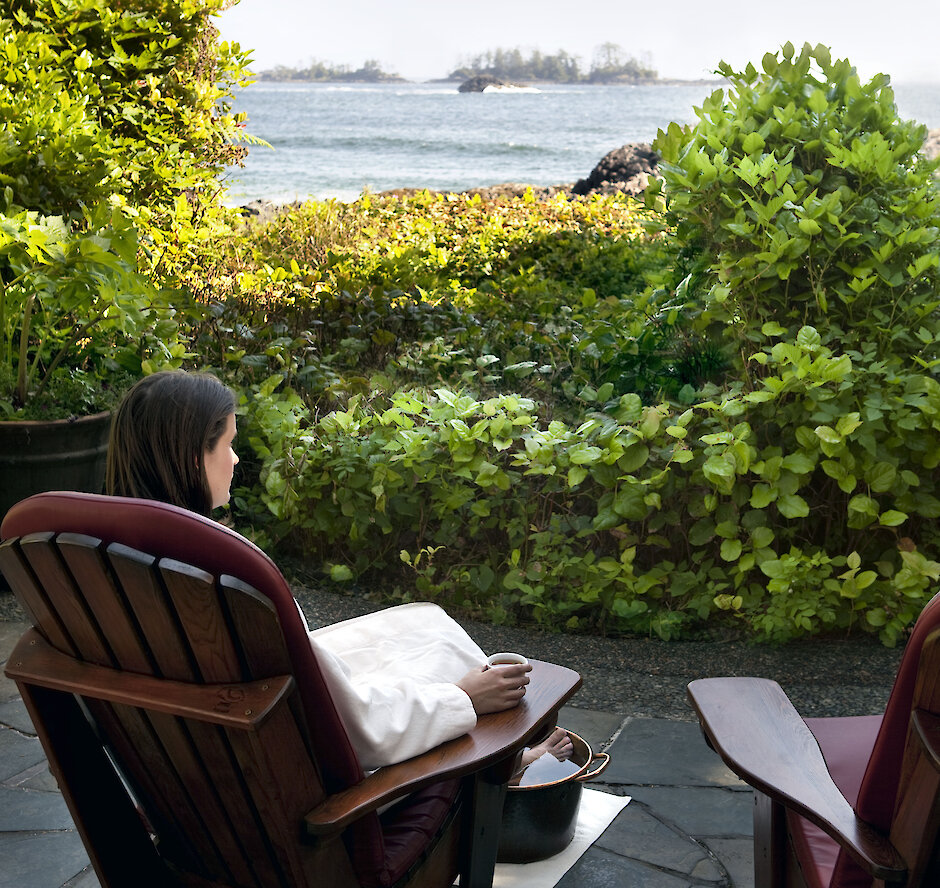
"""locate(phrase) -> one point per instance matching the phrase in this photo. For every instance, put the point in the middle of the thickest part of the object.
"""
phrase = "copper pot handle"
(590, 775)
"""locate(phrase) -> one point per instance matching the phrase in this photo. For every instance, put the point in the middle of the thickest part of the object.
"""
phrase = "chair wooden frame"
(170, 711)
(752, 725)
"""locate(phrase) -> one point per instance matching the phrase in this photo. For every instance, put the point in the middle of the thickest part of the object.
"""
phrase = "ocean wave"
(409, 144)
(496, 89)
(453, 91)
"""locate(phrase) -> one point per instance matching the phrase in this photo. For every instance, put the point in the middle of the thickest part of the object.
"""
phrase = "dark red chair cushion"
(846, 744)
(409, 828)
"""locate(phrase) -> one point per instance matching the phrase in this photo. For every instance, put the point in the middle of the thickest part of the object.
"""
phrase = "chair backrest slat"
(199, 802)
(255, 862)
(194, 595)
(65, 599)
(32, 599)
(878, 793)
(153, 611)
(255, 626)
(104, 599)
(915, 827)
(133, 740)
(283, 799)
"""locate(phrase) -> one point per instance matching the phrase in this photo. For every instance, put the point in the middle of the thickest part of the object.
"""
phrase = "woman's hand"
(493, 690)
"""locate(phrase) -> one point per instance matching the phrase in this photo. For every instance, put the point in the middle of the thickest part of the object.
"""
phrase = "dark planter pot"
(539, 819)
(61, 454)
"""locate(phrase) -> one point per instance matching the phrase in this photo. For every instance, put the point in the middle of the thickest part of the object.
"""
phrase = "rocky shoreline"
(624, 170)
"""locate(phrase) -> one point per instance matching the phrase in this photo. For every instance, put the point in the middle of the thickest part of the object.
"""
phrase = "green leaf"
(583, 454)
(701, 532)
(633, 457)
(731, 550)
(827, 434)
(817, 101)
(752, 142)
(863, 505)
(762, 537)
(576, 474)
(881, 477)
(793, 506)
(808, 338)
(762, 495)
(848, 423)
(891, 518)
(799, 463)
(340, 573)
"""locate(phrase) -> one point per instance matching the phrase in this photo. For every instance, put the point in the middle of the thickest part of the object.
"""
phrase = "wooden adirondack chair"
(171, 682)
(839, 802)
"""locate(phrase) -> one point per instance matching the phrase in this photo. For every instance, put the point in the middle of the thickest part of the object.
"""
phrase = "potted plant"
(73, 310)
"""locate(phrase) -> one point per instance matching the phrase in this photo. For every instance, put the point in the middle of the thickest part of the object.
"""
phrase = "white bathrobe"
(392, 677)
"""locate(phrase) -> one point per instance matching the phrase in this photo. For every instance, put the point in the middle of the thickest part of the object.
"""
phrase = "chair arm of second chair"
(492, 746)
(752, 725)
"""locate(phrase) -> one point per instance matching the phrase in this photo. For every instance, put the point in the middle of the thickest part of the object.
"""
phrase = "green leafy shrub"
(125, 100)
(786, 489)
(443, 289)
(650, 519)
(74, 313)
(817, 222)
(115, 126)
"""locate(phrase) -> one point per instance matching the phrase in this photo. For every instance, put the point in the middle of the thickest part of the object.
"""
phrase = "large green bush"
(793, 495)
(112, 100)
(541, 298)
(107, 111)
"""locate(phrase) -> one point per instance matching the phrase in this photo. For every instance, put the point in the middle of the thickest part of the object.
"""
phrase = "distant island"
(609, 64)
(370, 72)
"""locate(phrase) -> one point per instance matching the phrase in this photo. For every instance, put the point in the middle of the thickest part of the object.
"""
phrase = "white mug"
(505, 658)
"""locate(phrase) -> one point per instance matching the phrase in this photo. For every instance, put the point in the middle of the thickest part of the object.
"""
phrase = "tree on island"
(609, 65)
(370, 72)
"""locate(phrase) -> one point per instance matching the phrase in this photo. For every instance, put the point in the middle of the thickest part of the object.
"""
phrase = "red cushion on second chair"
(846, 744)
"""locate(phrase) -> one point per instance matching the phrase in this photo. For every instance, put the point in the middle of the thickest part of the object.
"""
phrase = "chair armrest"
(244, 706)
(495, 737)
(752, 725)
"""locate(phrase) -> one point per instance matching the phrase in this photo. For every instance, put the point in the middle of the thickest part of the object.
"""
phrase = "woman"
(405, 679)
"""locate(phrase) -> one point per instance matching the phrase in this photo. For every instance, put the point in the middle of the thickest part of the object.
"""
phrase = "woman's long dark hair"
(159, 435)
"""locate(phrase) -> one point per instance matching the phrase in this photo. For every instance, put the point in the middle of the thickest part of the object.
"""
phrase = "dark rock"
(626, 169)
(480, 83)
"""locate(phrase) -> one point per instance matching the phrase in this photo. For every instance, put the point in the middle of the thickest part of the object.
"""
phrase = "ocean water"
(333, 140)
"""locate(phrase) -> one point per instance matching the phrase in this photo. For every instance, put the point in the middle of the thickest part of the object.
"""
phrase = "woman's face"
(220, 463)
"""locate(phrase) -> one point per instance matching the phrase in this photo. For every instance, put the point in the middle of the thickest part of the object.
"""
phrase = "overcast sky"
(685, 39)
